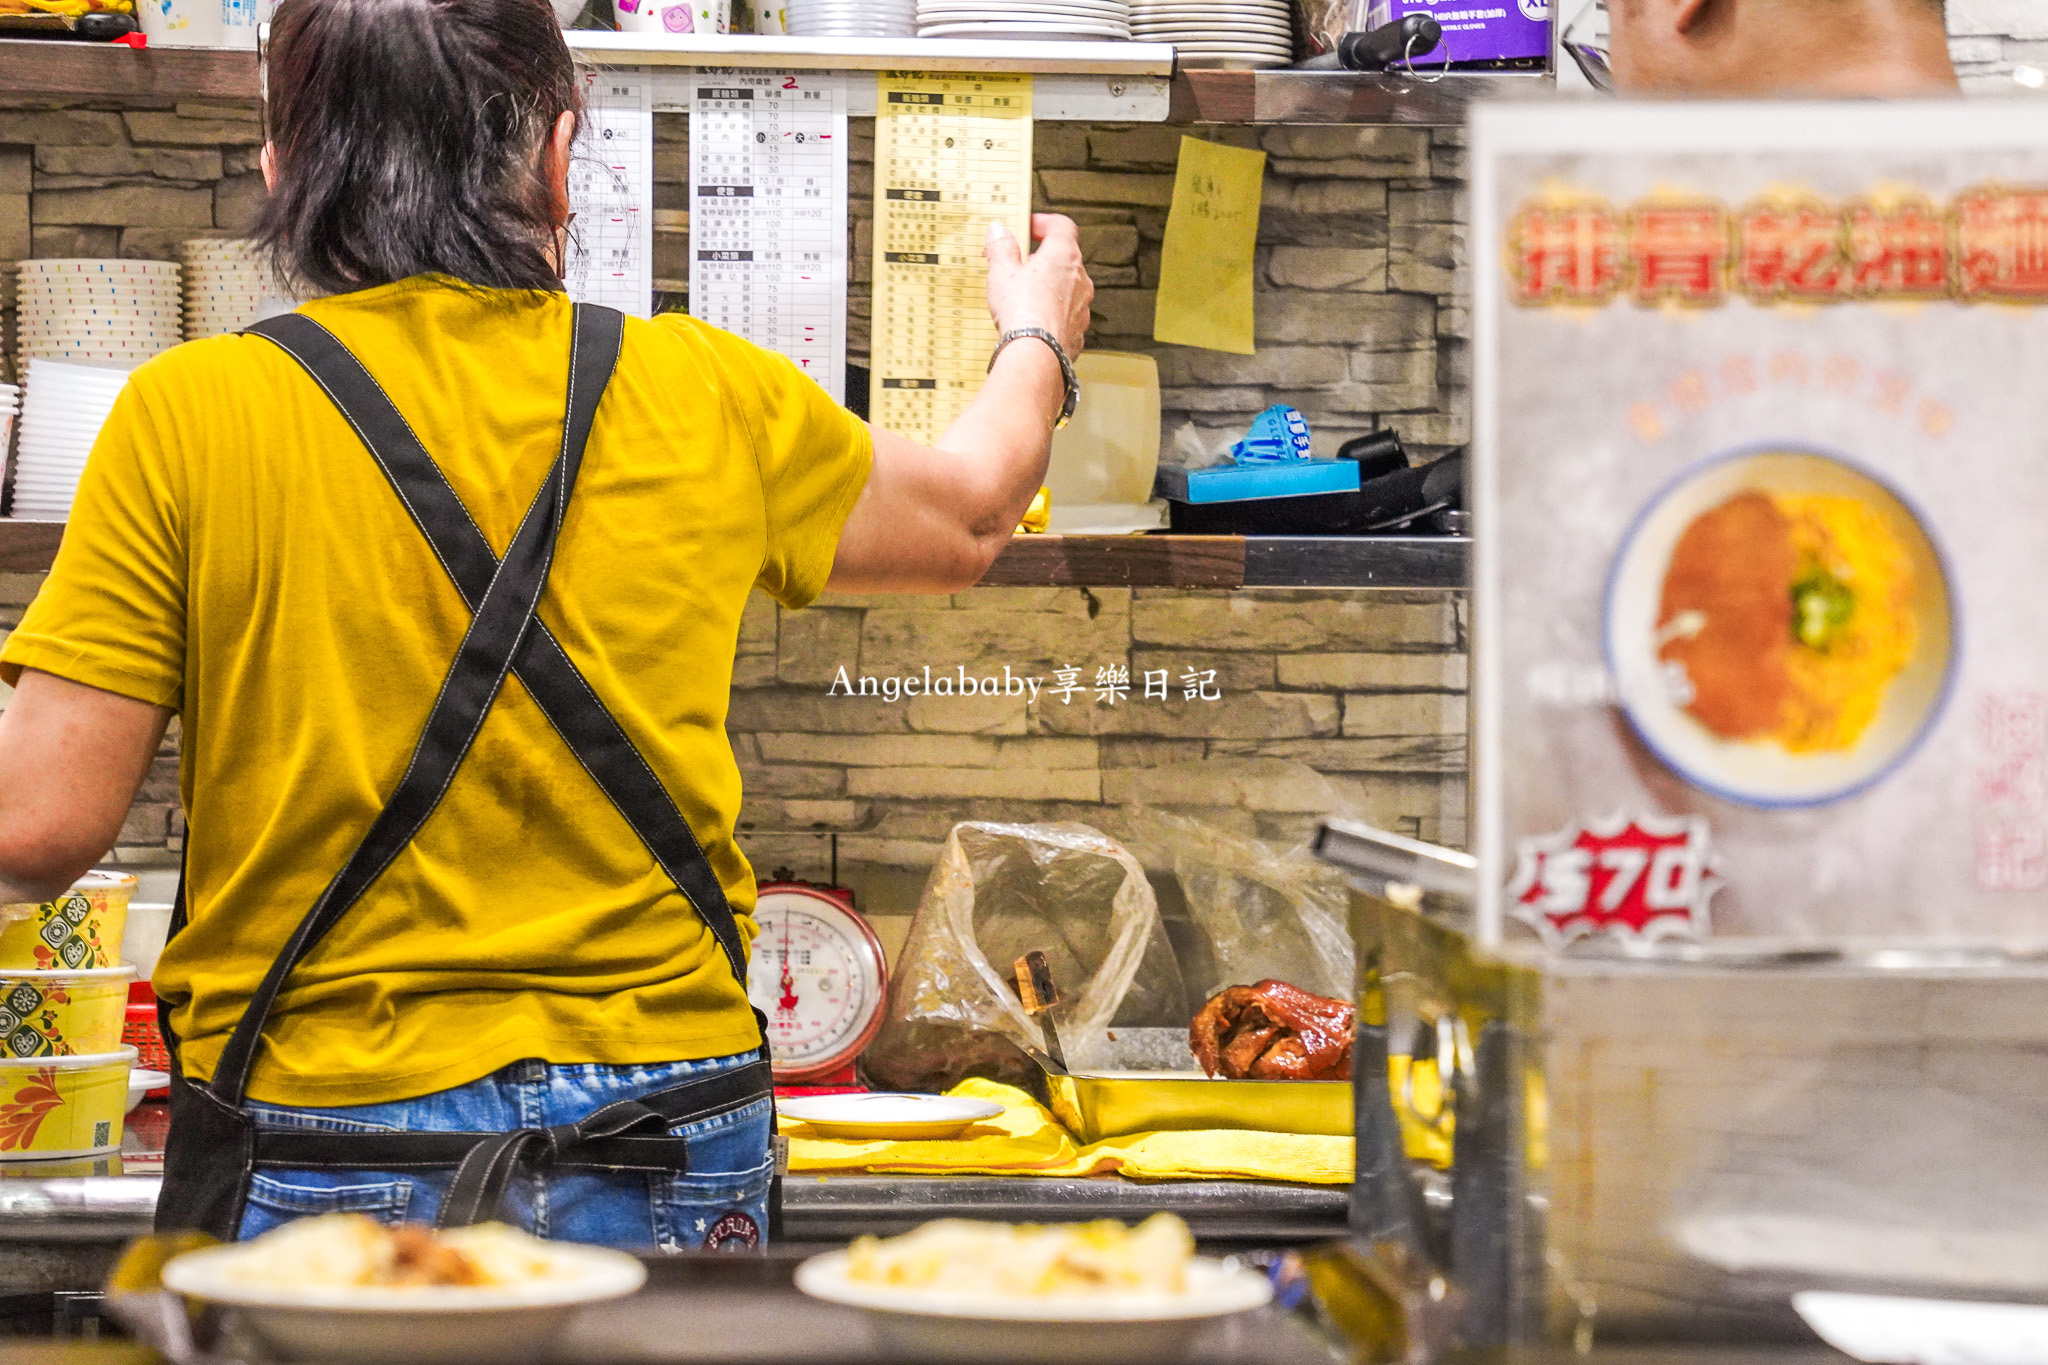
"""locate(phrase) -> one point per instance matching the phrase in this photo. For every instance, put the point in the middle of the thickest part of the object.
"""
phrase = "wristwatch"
(1059, 352)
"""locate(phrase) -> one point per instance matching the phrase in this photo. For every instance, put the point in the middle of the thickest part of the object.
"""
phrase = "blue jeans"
(721, 1202)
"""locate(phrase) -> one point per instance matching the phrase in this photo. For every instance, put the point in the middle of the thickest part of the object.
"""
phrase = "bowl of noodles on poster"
(1780, 627)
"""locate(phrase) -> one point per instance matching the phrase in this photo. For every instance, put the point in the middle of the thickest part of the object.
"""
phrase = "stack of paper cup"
(61, 418)
(673, 16)
(115, 314)
(225, 283)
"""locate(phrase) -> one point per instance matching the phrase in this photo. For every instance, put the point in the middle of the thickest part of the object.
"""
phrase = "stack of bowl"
(60, 420)
(226, 283)
(850, 18)
(109, 313)
(63, 1001)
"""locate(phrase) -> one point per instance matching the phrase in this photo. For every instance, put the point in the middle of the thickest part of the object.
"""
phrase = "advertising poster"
(1761, 492)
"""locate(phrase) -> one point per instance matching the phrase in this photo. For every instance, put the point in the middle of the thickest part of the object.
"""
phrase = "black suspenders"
(214, 1146)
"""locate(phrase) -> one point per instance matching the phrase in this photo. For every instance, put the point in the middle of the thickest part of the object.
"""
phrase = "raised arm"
(933, 518)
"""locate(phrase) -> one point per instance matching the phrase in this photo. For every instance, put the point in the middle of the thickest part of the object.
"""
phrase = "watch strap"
(1073, 384)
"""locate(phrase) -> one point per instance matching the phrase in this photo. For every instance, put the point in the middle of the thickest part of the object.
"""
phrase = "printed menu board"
(952, 152)
(768, 213)
(1760, 485)
(611, 191)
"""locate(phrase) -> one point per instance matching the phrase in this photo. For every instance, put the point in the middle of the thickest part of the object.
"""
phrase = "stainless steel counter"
(60, 1231)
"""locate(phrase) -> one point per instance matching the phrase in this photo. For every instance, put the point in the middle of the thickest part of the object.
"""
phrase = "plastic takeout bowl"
(81, 928)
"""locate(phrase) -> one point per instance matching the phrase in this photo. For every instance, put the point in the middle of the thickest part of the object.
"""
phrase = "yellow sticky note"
(1205, 274)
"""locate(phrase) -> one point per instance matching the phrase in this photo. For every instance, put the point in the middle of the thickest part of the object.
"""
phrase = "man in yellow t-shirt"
(236, 556)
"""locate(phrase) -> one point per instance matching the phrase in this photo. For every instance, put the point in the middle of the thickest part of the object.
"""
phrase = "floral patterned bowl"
(63, 1106)
(81, 928)
(62, 1014)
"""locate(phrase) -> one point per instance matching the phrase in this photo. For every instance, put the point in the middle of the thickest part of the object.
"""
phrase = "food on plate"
(1030, 1260)
(1789, 615)
(346, 1250)
(1274, 1032)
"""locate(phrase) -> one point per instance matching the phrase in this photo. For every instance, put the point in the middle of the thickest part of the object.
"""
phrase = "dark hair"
(408, 136)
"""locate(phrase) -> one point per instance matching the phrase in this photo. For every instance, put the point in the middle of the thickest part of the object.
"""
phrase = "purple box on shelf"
(1475, 30)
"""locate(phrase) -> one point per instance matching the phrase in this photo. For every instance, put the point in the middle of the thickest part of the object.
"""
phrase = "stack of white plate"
(1228, 33)
(1043, 20)
(225, 283)
(60, 420)
(108, 313)
(850, 18)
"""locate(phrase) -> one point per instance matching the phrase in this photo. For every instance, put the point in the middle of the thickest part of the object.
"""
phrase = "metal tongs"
(1040, 995)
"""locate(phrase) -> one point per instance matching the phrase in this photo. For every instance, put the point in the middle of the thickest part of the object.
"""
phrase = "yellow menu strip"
(952, 152)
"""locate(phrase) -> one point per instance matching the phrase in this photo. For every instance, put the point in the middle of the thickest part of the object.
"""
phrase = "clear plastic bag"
(997, 892)
(1265, 912)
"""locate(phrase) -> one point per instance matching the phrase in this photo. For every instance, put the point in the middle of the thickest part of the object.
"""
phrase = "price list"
(611, 191)
(952, 153)
(768, 213)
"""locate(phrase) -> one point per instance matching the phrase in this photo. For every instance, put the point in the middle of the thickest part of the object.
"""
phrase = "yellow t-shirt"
(236, 554)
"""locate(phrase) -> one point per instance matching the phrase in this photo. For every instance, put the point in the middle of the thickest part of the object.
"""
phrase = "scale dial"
(819, 975)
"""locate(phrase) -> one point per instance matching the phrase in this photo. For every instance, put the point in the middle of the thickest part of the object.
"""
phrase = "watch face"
(817, 973)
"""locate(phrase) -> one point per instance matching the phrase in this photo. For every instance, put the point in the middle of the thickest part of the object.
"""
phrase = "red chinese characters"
(1679, 251)
(2002, 244)
(1990, 244)
(1901, 252)
(1640, 879)
(1565, 253)
(1790, 251)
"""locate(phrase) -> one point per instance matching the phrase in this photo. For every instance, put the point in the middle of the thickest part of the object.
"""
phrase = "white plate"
(979, 9)
(999, 29)
(1002, 1328)
(1223, 45)
(1195, 36)
(886, 1115)
(1227, 49)
(1167, 14)
(438, 1324)
(1759, 772)
(141, 1081)
(1262, 18)
(1879, 1327)
(952, 14)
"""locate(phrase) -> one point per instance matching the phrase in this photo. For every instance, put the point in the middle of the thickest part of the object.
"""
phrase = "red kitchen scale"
(819, 975)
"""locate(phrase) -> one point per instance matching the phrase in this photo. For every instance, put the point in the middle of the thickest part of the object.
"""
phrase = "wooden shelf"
(34, 66)
(1425, 562)
(1343, 96)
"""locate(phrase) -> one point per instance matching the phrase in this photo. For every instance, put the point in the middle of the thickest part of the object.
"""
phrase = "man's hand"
(1050, 290)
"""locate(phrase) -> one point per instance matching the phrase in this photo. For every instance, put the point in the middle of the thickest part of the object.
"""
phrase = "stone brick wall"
(1329, 702)
(121, 178)
(1989, 38)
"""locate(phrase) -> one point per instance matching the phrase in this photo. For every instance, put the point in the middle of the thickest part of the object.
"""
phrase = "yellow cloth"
(1028, 1140)
(1025, 1139)
(236, 554)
